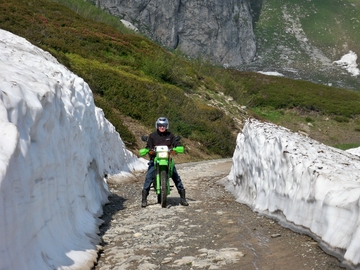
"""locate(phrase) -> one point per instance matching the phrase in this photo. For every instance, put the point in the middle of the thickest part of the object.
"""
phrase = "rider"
(161, 137)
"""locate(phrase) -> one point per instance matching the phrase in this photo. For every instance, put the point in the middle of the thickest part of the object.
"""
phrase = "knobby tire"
(163, 194)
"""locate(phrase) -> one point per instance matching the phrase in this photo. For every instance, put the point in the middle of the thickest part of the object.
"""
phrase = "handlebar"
(178, 149)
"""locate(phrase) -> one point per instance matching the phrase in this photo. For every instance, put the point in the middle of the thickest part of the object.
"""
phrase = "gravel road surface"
(213, 232)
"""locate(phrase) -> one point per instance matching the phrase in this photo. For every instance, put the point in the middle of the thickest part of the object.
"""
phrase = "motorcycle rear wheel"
(163, 178)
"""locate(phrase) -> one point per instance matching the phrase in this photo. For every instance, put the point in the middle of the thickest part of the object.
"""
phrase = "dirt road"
(213, 232)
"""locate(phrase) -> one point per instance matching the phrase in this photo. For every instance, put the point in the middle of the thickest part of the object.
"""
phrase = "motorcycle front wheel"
(163, 178)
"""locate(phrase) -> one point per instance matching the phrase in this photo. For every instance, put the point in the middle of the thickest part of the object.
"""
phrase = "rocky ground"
(213, 232)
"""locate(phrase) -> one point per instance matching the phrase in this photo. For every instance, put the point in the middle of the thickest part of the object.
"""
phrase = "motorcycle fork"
(169, 169)
(170, 172)
(157, 180)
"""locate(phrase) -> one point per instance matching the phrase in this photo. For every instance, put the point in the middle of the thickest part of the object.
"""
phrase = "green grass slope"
(129, 75)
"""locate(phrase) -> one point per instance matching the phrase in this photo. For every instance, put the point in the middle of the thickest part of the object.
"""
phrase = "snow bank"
(55, 147)
(354, 151)
(271, 73)
(348, 62)
(301, 182)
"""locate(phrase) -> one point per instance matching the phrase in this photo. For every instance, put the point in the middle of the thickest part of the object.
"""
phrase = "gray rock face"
(217, 30)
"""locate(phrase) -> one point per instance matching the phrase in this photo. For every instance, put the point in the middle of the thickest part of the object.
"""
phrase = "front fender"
(162, 162)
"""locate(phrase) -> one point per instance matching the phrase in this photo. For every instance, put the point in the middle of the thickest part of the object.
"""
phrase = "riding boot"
(182, 197)
(145, 193)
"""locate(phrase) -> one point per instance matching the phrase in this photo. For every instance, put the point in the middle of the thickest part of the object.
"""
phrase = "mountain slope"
(302, 39)
(128, 74)
(135, 81)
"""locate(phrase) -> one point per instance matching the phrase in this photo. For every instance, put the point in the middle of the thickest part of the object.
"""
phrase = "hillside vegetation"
(302, 39)
(135, 81)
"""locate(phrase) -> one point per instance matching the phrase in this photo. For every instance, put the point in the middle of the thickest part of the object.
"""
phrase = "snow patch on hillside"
(348, 62)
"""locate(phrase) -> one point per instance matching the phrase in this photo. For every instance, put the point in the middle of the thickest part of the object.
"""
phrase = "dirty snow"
(55, 148)
(308, 186)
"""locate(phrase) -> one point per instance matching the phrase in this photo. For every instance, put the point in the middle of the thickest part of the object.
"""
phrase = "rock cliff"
(217, 30)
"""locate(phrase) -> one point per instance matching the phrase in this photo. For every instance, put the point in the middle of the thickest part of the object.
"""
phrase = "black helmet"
(162, 121)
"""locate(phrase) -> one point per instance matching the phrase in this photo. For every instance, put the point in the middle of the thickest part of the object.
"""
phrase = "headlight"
(163, 154)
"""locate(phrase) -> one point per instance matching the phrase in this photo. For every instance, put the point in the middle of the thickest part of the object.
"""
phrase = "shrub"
(309, 119)
(341, 119)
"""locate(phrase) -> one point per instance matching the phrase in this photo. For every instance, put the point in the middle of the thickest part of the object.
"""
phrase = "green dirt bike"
(164, 166)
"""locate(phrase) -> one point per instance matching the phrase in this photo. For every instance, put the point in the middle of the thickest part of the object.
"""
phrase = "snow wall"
(308, 186)
(55, 148)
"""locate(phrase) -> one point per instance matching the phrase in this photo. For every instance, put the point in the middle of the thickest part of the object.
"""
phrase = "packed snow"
(348, 62)
(55, 149)
(306, 185)
(129, 25)
(271, 73)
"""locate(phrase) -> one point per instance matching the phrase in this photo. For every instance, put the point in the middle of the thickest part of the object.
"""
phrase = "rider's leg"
(179, 186)
(147, 183)
(145, 193)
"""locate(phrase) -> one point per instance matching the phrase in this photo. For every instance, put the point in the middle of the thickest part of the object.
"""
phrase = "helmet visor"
(158, 125)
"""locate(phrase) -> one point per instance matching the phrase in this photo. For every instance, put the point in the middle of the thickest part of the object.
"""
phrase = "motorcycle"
(164, 166)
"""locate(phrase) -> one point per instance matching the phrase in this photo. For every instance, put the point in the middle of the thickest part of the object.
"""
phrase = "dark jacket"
(161, 138)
